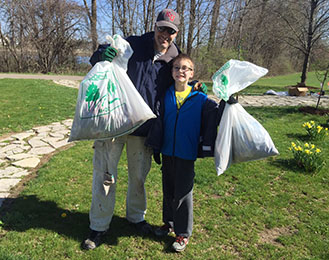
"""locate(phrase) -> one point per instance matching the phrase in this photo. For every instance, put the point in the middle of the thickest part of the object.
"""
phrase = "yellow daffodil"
(318, 150)
(306, 145)
(64, 215)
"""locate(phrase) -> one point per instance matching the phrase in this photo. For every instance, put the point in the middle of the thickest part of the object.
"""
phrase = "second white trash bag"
(240, 137)
(108, 103)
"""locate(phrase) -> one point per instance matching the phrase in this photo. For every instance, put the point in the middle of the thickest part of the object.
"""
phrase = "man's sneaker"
(180, 243)
(94, 240)
(143, 227)
(164, 230)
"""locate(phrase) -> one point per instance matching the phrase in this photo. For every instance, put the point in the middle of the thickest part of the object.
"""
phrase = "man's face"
(163, 37)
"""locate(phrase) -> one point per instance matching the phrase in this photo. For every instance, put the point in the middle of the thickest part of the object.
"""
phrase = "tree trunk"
(93, 24)
(213, 26)
(313, 5)
(191, 28)
(180, 36)
(92, 15)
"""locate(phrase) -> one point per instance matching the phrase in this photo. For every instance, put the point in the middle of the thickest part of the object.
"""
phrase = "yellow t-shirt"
(181, 96)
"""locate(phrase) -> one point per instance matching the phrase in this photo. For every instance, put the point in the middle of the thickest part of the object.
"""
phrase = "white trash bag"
(108, 104)
(234, 76)
(240, 136)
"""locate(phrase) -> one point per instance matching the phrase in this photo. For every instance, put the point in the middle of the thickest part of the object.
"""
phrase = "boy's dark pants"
(177, 185)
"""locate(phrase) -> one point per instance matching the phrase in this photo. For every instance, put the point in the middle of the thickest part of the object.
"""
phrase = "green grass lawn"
(267, 209)
(25, 103)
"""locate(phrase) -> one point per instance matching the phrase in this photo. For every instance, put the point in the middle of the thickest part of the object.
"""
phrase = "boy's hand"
(156, 157)
(200, 86)
(232, 100)
(109, 54)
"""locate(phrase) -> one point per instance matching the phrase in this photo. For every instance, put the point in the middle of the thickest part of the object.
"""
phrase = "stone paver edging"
(22, 152)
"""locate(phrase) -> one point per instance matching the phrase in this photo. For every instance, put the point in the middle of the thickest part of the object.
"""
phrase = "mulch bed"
(313, 111)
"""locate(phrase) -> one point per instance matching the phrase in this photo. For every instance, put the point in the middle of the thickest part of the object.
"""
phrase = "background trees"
(281, 35)
(39, 35)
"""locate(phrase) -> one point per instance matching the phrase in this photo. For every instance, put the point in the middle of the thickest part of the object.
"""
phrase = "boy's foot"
(94, 240)
(180, 244)
(164, 230)
(143, 227)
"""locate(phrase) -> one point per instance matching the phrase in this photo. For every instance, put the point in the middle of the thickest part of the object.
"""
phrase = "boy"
(184, 116)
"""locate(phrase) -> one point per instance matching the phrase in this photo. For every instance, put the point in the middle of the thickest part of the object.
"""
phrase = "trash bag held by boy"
(240, 137)
(108, 104)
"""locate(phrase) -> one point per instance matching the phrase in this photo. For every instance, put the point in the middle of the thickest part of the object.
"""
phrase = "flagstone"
(59, 144)
(7, 139)
(57, 135)
(36, 142)
(8, 170)
(27, 163)
(20, 174)
(8, 148)
(17, 150)
(64, 132)
(19, 156)
(22, 136)
(67, 122)
(41, 129)
(42, 150)
(7, 184)
(49, 139)
(58, 128)
(42, 135)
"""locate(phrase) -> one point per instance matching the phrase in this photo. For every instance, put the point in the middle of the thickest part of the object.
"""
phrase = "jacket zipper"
(177, 114)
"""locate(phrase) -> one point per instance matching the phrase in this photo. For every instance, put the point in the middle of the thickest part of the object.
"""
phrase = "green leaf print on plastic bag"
(92, 94)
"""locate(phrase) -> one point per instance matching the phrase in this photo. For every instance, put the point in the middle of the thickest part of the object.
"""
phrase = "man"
(149, 70)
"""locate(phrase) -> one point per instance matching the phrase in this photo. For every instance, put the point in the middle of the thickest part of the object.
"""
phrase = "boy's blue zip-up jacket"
(188, 132)
(151, 78)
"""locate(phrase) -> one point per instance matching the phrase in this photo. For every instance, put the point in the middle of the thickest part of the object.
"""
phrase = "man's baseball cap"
(168, 18)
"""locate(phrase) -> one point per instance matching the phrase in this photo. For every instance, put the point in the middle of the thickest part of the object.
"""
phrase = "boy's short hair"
(182, 56)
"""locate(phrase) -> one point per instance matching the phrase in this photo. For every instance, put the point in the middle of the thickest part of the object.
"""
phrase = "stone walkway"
(22, 152)
(269, 100)
(19, 153)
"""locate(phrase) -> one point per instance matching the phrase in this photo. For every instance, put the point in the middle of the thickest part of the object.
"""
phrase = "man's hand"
(200, 86)
(109, 54)
(156, 157)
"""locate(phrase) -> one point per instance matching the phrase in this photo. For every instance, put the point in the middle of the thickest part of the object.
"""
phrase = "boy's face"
(182, 70)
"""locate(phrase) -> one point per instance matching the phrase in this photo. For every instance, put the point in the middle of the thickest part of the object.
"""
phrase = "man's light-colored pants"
(106, 158)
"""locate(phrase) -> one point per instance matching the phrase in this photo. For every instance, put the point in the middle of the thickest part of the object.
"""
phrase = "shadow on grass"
(287, 165)
(301, 137)
(29, 212)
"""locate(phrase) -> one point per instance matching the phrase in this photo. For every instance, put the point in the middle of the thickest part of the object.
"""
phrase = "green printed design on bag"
(92, 94)
(221, 81)
(100, 106)
(224, 67)
(224, 80)
(98, 76)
